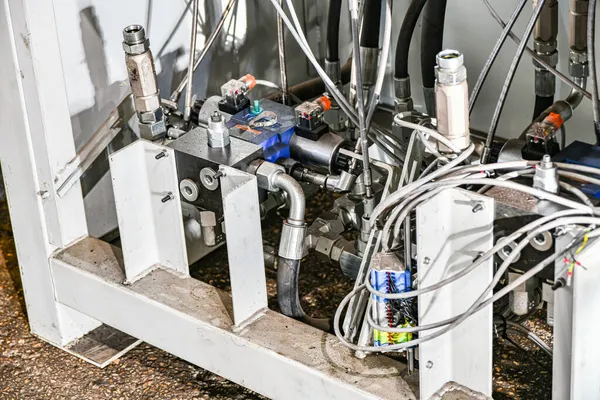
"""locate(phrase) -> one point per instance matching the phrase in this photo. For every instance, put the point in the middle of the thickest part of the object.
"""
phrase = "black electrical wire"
(432, 38)
(333, 30)
(369, 35)
(541, 105)
(405, 37)
(591, 43)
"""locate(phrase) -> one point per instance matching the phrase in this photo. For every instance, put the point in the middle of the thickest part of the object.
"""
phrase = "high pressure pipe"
(432, 40)
(190, 77)
(401, 77)
(282, 59)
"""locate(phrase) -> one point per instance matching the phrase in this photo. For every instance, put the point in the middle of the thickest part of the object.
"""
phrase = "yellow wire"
(585, 241)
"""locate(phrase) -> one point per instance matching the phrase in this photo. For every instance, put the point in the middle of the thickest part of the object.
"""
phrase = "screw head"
(429, 364)
(426, 260)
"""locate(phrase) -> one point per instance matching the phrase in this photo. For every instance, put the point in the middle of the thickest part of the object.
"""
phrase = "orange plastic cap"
(249, 80)
(324, 102)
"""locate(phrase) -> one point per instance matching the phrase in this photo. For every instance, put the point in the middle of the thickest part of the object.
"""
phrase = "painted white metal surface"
(36, 140)
(576, 322)
(562, 331)
(146, 188)
(244, 244)
(452, 228)
(276, 356)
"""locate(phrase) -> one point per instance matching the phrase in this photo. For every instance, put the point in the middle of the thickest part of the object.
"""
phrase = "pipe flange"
(542, 242)
(189, 190)
(507, 251)
(208, 179)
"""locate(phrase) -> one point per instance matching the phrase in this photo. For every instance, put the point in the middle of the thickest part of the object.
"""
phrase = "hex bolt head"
(216, 117)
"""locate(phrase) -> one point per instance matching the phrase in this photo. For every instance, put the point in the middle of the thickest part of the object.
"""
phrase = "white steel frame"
(74, 283)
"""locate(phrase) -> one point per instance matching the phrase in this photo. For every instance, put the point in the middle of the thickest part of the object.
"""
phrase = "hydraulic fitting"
(578, 17)
(545, 45)
(452, 93)
(291, 245)
(218, 133)
(368, 59)
(324, 152)
(546, 176)
(143, 81)
(272, 177)
(404, 101)
(334, 71)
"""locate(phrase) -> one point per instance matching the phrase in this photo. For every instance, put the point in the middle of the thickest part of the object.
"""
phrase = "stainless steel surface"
(291, 245)
(403, 95)
(452, 99)
(218, 133)
(295, 197)
(266, 174)
(195, 143)
(578, 17)
(322, 152)
(333, 69)
(190, 73)
(545, 45)
(144, 83)
(369, 57)
(546, 176)
(189, 190)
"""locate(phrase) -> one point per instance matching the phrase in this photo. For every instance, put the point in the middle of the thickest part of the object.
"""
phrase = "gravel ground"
(32, 369)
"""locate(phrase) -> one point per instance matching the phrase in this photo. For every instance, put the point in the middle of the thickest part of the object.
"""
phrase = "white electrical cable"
(477, 306)
(431, 132)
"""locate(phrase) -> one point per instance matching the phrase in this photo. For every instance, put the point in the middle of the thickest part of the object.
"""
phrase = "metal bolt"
(429, 364)
(218, 175)
(216, 117)
(168, 197)
(426, 260)
(44, 194)
(478, 207)
(161, 155)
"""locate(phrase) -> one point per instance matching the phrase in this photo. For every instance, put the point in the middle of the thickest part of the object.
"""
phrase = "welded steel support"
(452, 229)
(275, 356)
(576, 354)
(37, 141)
(244, 244)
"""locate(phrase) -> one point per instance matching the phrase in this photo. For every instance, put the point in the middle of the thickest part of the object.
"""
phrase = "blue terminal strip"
(582, 154)
(267, 124)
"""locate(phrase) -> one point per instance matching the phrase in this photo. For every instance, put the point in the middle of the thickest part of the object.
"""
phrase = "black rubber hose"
(288, 272)
(405, 37)
(541, 105)
(432, 39)
(369, 35)
(333, 30)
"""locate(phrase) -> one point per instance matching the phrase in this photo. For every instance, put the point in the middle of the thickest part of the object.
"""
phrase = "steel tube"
(190, 74)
